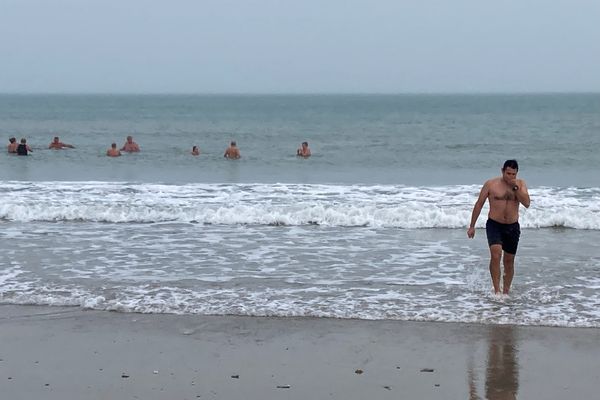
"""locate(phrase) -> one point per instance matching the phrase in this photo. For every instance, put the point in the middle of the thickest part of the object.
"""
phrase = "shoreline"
(66, 352)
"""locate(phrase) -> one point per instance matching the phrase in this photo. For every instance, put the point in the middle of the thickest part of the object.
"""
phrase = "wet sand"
(69, 353)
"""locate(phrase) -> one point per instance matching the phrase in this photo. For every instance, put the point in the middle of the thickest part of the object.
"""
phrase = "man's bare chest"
(502, 193)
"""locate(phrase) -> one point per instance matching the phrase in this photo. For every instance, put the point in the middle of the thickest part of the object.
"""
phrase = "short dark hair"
(511, 164)
(12, 140)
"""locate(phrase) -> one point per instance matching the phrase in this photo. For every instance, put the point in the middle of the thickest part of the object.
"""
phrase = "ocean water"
(372, 226)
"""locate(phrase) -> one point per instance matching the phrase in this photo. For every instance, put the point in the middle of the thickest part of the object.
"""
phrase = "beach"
(58, 353)
(299, 200)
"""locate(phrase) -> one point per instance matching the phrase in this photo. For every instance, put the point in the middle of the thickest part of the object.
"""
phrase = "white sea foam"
(8, 274)
(284, 204)
(325, 272)
(322, 302)
(355, 264)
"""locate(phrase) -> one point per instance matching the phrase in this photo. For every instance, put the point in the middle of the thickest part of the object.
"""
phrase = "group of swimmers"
(21, 149)
(232, 152)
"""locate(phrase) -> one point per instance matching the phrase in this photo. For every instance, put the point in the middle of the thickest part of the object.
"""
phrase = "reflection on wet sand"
(502, 369)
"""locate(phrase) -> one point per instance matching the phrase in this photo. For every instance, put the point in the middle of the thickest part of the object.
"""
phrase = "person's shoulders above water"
(58, 145)
(23, 148)
(232, 152)
(12, 145)
(130, 146)
(303, 150)
(113, 151)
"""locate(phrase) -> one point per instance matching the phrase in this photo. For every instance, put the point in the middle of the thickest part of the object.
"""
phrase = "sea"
(371, 226)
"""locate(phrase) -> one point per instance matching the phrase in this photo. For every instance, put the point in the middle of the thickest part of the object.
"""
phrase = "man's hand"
(471, 232)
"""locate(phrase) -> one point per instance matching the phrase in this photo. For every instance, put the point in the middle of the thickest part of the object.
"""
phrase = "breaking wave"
(396, 206)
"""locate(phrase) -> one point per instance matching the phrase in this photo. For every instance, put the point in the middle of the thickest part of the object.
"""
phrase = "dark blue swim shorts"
(505, 234)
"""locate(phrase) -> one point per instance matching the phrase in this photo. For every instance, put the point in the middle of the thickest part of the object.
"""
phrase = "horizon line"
(431, 93)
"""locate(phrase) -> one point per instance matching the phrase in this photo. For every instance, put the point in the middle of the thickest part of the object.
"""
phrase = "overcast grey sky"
(299, 46)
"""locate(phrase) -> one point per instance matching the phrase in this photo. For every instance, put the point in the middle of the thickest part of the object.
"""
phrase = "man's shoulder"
(493, 181)
(491, 184)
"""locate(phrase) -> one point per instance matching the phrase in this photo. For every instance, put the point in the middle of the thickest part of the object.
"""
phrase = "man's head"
(23, 140)
(55, 139)
(304, 144)
(509, 171)
(233, 143)
(510, 164)
(12, 139)
(113, 145)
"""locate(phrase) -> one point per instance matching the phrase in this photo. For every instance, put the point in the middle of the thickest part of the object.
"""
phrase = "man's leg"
(495, 255)
(509, 271)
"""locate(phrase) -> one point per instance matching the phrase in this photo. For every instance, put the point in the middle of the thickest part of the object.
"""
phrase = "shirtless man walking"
(504, 194)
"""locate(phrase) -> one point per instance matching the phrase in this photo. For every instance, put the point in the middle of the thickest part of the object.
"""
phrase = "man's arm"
(522, 193)
(483, 195)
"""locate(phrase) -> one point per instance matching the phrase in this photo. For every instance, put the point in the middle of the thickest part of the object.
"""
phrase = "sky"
(299, 46)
